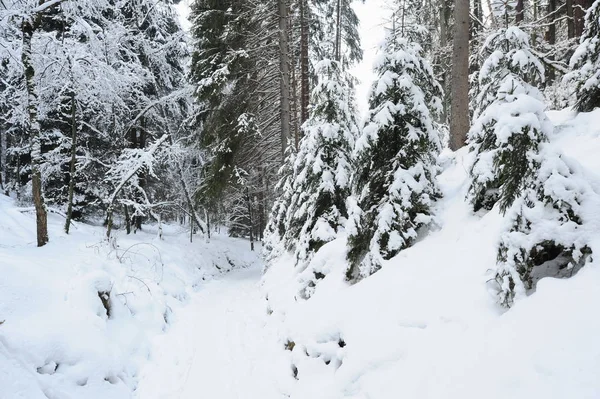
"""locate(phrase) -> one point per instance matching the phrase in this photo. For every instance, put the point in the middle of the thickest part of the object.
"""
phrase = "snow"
(424, 326)
(220, 346)
(56, 339)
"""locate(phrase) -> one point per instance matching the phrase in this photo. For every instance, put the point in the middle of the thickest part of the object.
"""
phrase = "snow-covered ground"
(182, 325)
(426, 327)
(221, 346)
(56, 339)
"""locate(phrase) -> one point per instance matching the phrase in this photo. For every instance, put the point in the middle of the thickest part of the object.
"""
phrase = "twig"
(141, 281)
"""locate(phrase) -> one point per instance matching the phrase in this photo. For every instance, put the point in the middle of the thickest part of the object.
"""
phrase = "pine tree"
(585, 63)
(322, 167)
(396, 160)
(510, 122)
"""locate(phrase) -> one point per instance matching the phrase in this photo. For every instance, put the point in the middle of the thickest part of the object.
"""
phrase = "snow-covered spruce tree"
(514, 167)
(395, 159)
(275, 230)
(322, 167)
(510, 122)
(585, 63)
(548, 226)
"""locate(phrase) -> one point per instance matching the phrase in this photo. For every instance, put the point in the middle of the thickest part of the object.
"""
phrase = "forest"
(246, 124)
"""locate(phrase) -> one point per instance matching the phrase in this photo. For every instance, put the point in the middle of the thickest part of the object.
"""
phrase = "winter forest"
(200, 203)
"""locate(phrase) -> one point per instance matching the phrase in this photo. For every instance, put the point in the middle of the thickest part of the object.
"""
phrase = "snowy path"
(220, 346)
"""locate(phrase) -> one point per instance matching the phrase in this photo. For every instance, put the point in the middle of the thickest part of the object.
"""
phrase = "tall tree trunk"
(478, 17)
(570, 21)
(551, 36)
(579, 10)
(444, 18)
(250, 221)
(284, 66)
(127, 219)
(3, 147)
(520, 12)
(28, 28)
(534, 6)
(304, 78)
(459, 118)
(143, 177)
(294, 108)
(338, 31)
(72, 163)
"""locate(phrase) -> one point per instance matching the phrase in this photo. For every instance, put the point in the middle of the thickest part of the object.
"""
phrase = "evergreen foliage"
(510, 122)
(585, 63)
(395, 160)
(547, 227)
(321, 172)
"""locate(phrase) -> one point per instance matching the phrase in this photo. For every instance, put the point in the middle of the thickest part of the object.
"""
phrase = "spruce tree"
(322, 167)
(396, 160)
(548, 226)
(276, 225)
(585, 63)
(510, 123)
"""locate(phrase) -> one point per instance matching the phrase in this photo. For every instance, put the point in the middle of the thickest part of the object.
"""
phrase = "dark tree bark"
(459, 118)
(551, 35)
(28, 28)
(579, 9)
(338, 31)
(570, 21)
(250, 221)
(284, 69)
(519, 12)
(72, 163)
(304, 78)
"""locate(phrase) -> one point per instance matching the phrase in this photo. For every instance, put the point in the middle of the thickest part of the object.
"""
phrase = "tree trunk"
(338, 31)
(72, 163)
(443, 61)
(127, 219)
(459, 118)
(534, 6)
(251, 228)
(295, 119)
(551, 36)
(304, 78)
(142, 181)
(191, 222)
(3, 147)
(520, 13)
(284, 66)
(207, 217)
(570, 21)
(579, 15)
(28, 28)
(478, 17)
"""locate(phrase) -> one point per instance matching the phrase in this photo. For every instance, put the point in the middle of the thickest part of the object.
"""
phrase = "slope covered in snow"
(425, 326)
(57, 339)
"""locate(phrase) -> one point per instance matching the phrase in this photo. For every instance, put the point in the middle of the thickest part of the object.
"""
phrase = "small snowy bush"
(396, 160)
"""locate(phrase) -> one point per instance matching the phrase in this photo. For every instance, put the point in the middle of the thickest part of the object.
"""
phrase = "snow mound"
(425, 325)
(78, 315)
